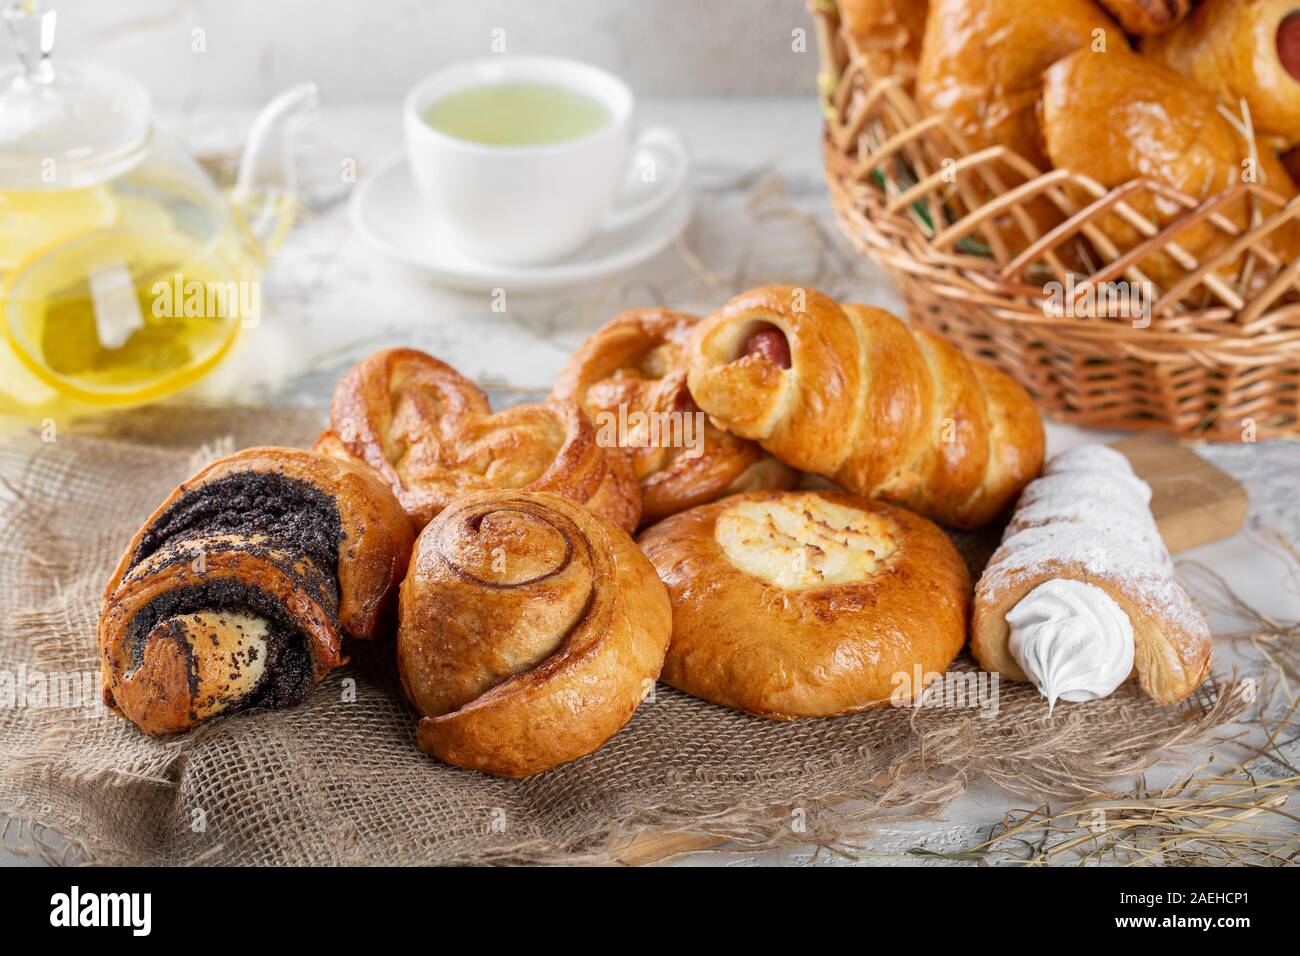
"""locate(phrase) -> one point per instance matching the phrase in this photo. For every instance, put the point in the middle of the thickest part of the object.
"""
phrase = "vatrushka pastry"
(633, 371)
(529, 631)
(852, 394)
(237, 590)
(429, 434)
(807, 604)
(1081, 594)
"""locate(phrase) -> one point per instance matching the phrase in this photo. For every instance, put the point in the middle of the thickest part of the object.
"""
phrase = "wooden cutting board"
(1194, 503)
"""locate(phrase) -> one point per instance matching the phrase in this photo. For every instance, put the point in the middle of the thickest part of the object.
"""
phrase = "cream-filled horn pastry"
(1081, 594)
(807, 604)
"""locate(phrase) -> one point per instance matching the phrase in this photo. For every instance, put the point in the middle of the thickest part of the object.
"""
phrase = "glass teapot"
(126, 274)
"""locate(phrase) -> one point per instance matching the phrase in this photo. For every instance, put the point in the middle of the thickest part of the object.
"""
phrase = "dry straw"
(1221, 352)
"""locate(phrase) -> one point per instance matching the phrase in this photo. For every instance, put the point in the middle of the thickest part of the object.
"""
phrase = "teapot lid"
(69, 127)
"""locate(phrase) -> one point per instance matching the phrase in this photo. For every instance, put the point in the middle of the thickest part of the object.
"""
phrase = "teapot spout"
(266, 189)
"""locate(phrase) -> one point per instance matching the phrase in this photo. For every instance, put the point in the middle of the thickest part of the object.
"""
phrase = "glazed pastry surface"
(1242, 49)
(887, 33)
(633, 370)
(237, 590)
(1156, 124)
(430, 435)
(982, 64)
(530, 629)
(864, 401)
(1148, 17)
(807, 604)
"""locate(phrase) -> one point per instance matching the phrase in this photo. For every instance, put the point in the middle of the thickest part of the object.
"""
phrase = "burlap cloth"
(339, 779)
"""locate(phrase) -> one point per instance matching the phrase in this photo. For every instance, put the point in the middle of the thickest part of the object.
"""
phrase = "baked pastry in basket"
(1158, 124)
(1081, 595)
(982, 64)
(852, 394)
(1148, 17)
(430, 435)
(529, 631)
(1243, 50)
(630, 379)
(808, 604)
(236, 591)
(888, 34)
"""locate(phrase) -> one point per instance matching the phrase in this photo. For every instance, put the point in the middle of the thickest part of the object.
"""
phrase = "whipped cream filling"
(1072, 641)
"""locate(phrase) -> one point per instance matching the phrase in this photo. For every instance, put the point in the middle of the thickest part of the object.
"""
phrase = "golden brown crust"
(776, 651)
(982, 64)
(1088, 521)
(1230, 48)
(636, 363)
(1148, 17)
(1170, 660)
(529, 631)
(1156, 124)
(870, 405)
(430, 435)
(161, 695)
(886, 33)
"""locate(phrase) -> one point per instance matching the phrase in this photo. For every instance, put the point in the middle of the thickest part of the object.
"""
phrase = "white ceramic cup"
(525, 205)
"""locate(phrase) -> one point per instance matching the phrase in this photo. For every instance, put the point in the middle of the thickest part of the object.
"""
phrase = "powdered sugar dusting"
(1091, 513)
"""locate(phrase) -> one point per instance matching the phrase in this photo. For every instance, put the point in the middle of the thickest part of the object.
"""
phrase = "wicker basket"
(1214, 354)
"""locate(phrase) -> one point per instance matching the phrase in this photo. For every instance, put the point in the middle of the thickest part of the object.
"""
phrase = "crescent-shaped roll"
(529, 631)
(886, 33)
(430, 435)
(982, 64)
(236, 590)
(808, 604)
(630, 379)
(882, 410)
(1148, 17)
(1081, 594)
(1242, 50)
(1157, 124)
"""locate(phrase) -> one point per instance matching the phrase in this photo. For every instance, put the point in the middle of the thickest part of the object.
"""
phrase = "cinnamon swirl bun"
(529, 630)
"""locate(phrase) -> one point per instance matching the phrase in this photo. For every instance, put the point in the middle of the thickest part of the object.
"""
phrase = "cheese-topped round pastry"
(807, 604)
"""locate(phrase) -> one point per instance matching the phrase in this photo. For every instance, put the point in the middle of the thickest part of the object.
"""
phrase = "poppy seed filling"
(281, 515)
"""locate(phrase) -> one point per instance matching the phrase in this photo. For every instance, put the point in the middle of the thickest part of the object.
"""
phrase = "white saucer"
(391, 217)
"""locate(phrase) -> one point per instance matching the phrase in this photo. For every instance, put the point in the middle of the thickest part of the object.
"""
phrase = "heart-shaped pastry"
(431, 436)
(630, 377)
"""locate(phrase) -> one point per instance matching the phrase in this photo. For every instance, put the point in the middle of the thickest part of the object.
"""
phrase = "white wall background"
(368, 50)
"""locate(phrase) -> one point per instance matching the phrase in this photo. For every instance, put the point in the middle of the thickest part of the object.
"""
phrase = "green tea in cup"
(517, 114)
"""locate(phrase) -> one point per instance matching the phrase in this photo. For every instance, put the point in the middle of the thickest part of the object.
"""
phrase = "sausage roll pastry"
(236, 590)
(1243, 50)
(1081, 595)
(1155, 123)
(630, 379)
(529, 631)
(430, 435)
(854, 395)
(808, 604)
